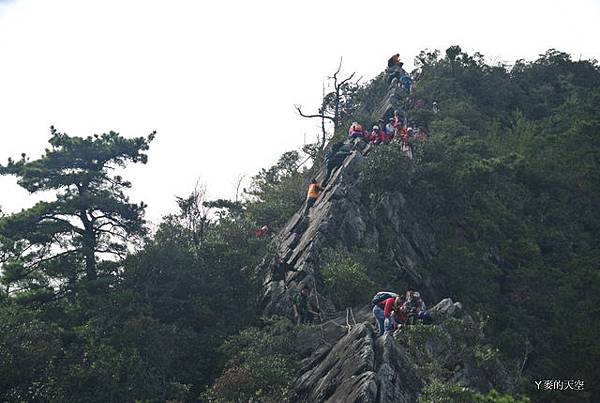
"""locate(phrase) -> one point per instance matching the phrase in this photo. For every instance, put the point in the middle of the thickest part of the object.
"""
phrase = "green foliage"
(387, 167)
(437, 392)
(91, 215)
(508, 178)
(346, 280)
(261, 363)
(278, 192)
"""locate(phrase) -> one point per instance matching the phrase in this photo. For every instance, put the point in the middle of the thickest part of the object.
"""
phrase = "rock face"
(344, 360)
(342, 216)
(352, 364)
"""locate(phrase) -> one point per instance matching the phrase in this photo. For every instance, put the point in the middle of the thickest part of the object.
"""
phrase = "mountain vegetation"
(95, 308)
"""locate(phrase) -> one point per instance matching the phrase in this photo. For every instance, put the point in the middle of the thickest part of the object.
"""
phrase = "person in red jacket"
(355, 131)
(387, 312)
(260, 232)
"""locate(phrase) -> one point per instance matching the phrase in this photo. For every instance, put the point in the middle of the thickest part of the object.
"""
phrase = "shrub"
(347, 281)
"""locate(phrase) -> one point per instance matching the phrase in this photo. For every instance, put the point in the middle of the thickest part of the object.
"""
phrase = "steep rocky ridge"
(344, 361)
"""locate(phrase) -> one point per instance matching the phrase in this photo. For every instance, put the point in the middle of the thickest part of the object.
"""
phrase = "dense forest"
(95, 308)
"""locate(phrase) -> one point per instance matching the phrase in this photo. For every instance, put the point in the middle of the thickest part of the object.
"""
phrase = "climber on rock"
(314, 190)
(390, 131)
(406, 83)
(355, 131)
(334, 158)
(414, 307)
(398, 119)
(304, 310)
(280, 269)
(377, 135)
(395, 70)
(394, 60)
(387, 311)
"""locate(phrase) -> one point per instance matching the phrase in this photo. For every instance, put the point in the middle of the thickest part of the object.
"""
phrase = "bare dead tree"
(194, 213)
(239, 181)
(337, 93)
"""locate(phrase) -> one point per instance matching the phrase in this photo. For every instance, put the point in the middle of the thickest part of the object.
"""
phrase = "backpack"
(382, 296)
(391, 61)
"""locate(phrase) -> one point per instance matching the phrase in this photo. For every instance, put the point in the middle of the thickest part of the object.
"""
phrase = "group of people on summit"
(395, 130)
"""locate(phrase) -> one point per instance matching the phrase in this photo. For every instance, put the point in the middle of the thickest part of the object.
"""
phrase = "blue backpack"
(382, 296)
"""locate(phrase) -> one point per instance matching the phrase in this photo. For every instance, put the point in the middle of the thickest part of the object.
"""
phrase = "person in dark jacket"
(304, 310)
(280, 269)
(415, 307)
(334, 158)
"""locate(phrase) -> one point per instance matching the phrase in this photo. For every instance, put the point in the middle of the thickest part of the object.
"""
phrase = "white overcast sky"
(218, 79)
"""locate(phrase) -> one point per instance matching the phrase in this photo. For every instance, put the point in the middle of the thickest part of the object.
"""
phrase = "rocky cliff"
(344, 361)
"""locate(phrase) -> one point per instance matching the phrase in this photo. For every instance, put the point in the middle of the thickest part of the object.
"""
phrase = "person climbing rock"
(435, 108)
(395, 70)
(304, 310)
(280, 269)
(394, 60)
(335, 157)
(314, 190)
(386, 306)
(398, 119)
(406, 83)
(414, 307)
(390, 131)
(377, 135)
(355, 131)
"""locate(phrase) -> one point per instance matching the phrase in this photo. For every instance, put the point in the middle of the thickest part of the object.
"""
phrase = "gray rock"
(342, 361)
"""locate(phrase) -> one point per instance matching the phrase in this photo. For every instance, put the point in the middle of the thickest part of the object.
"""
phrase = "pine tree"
(59, 243)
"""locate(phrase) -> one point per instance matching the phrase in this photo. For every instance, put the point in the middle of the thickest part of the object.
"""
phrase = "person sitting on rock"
(415, 307)
(377, 135)
(355, 131)
(334, 158)
(304, 310)
(387, 312)
(395, 70)
(314, 190)
(390, 131)
(394, 60)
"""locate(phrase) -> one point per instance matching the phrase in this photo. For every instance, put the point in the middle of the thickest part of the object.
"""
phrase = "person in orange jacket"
(314, 190)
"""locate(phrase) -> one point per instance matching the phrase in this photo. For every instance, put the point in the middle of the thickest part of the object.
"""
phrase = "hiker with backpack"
(314, 190)
(304, 310)
(334, 158)
(355, 131)
(386, 307)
